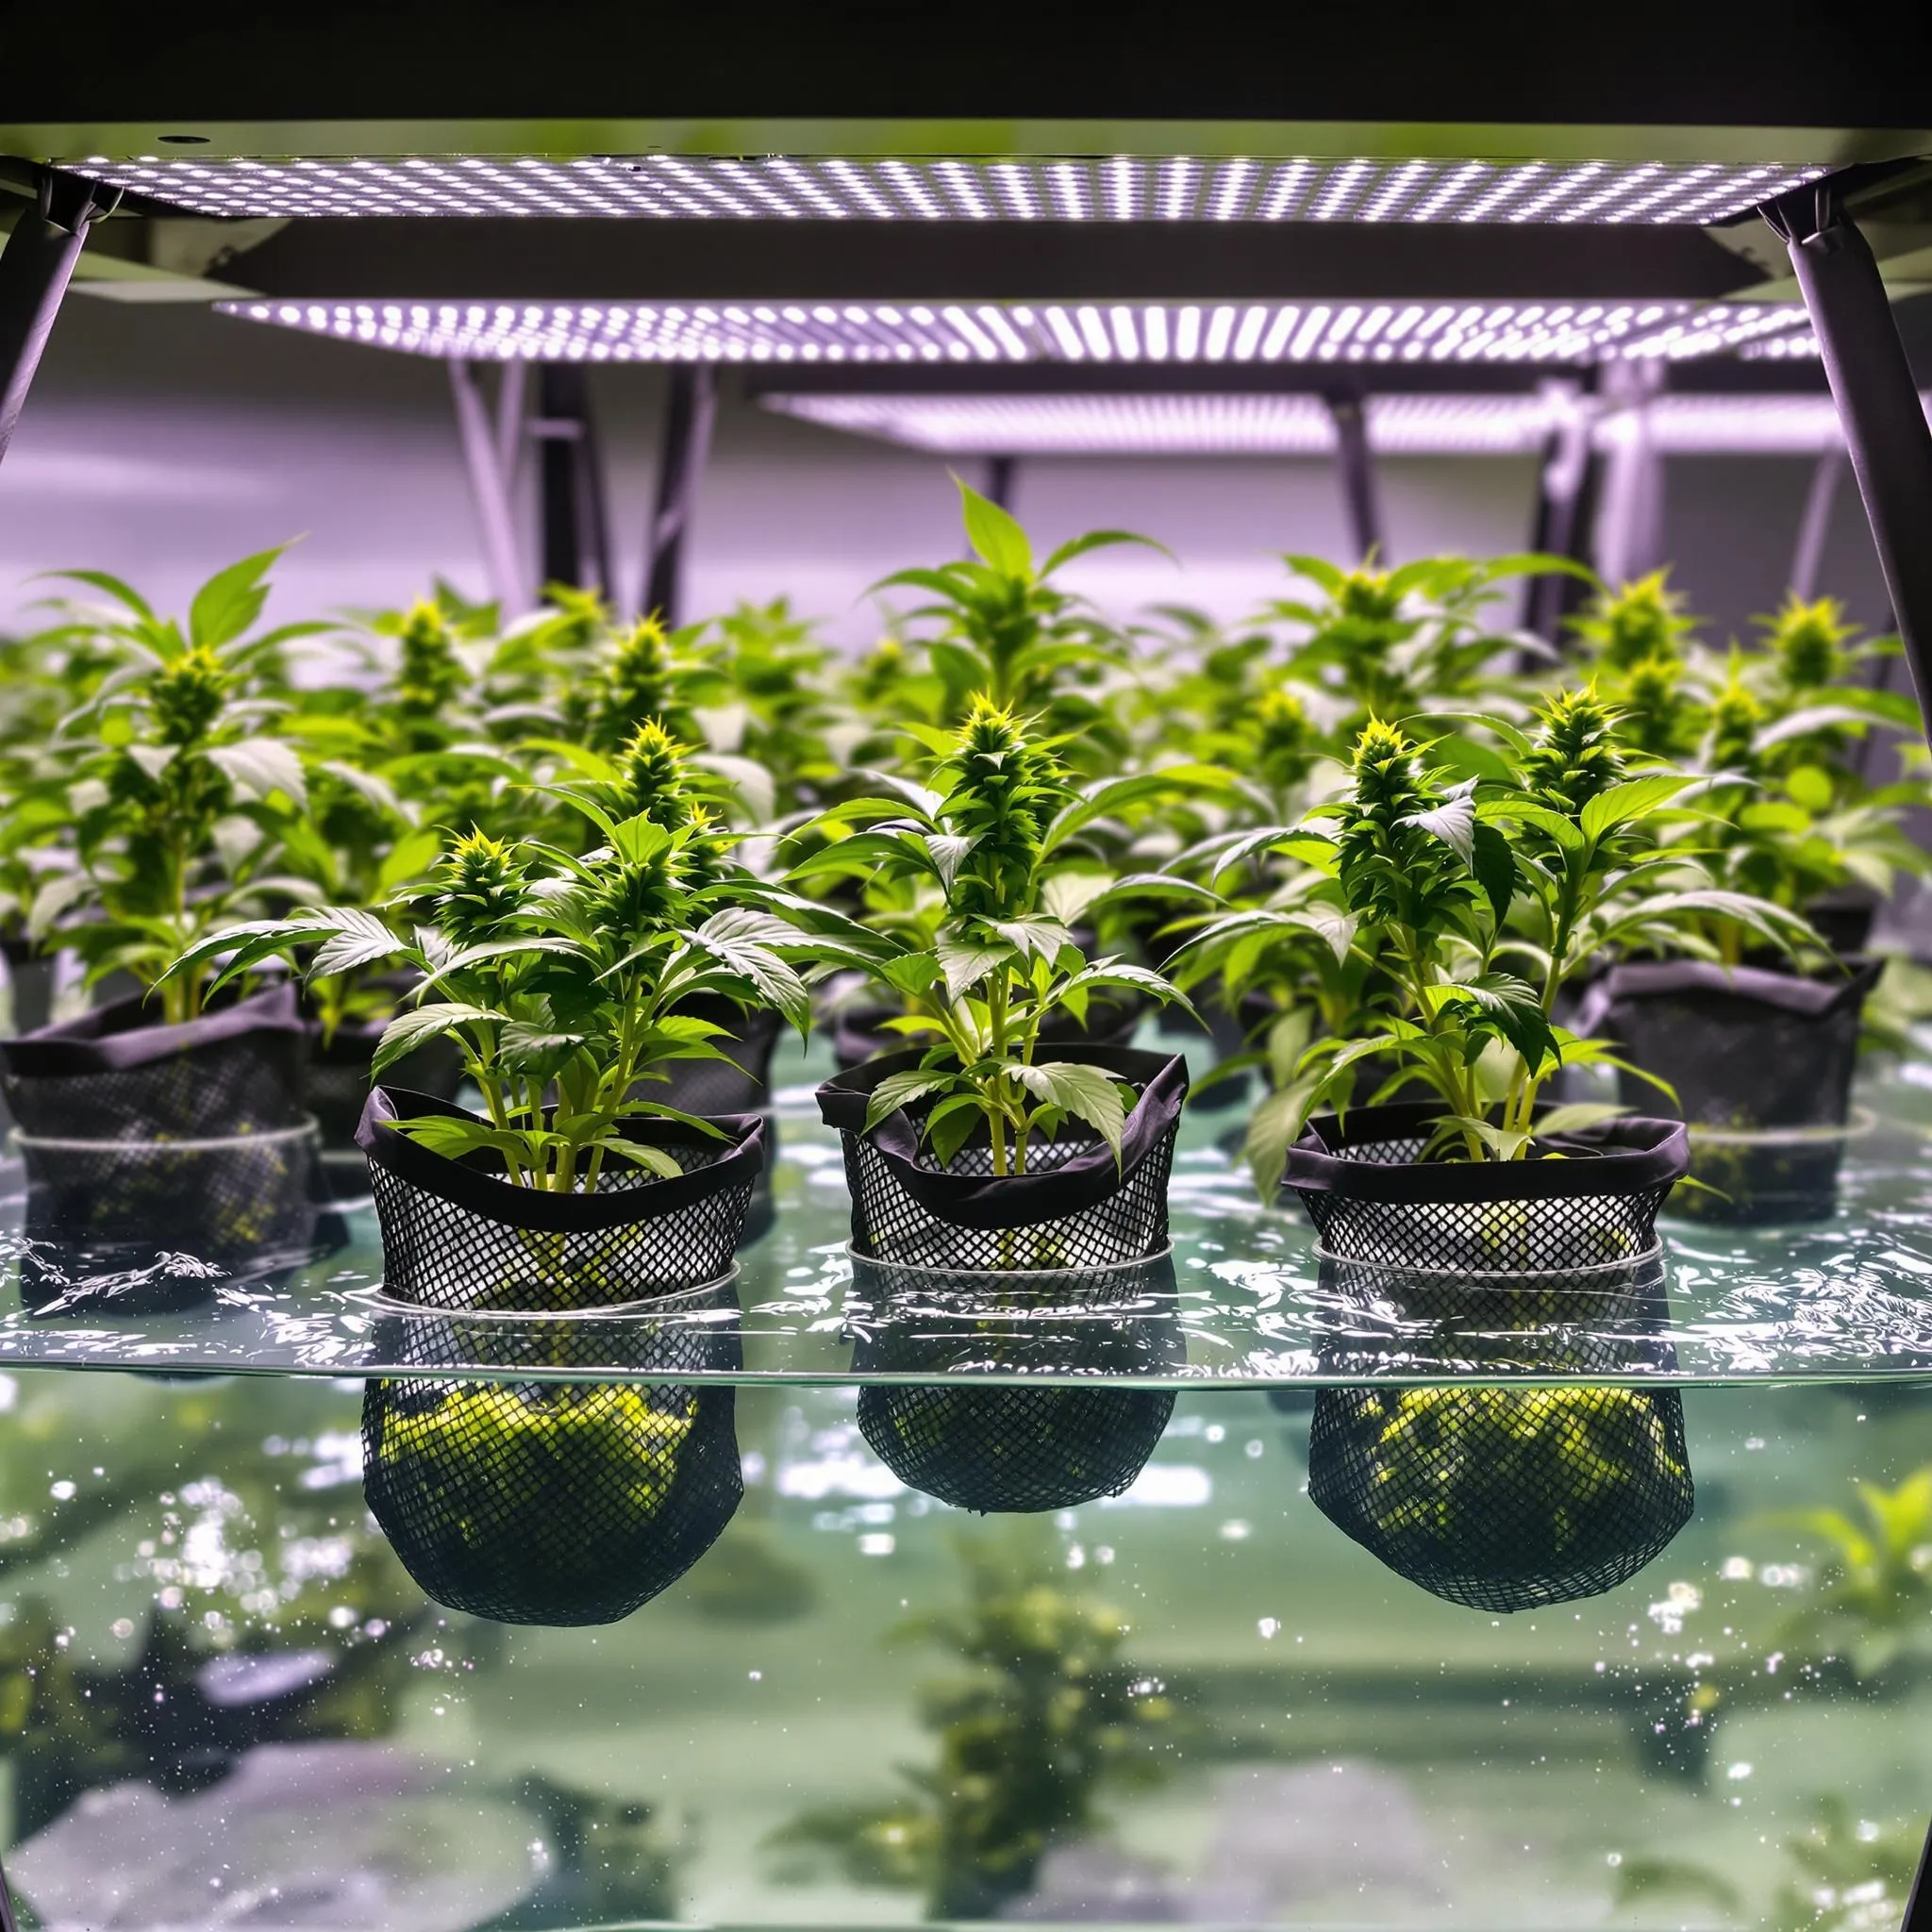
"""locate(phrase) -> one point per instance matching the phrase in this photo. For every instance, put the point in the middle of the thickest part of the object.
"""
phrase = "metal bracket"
(690, 411)
(1565, 509)
(490, 458)
(1814, 526)
(1878, 405)
(1629, 535)
(35, 269)
(1002, 472)
(576, 532)
(1356, 463)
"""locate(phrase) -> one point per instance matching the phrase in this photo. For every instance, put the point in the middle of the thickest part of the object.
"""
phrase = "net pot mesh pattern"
(1374, 1199)
(1761, 1064)
(555, 1502)
(1006, 1448)
(457, 1235)
(1074, 1208)
(112, 1075)
(1504, 1499)
(100, 1214)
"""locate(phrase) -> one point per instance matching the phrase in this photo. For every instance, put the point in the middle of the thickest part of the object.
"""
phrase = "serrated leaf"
(358, 938)
(996, 537)
(1274, 1128)
(260, 767)
(228, 604)
(408, 1031)
(1494, 866)
(1452, 821)
(1086, 1092)
(901, 1090)
(657, 1160)
(965, 966)
(1044, 937)
(1630, 800)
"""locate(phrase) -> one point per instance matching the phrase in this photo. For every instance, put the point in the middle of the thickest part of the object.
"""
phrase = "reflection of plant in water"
(1877, 1588)
(1853, 1877)
(1050, 1714)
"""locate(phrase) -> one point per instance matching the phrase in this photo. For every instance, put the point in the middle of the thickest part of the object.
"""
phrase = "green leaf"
(260, 767)
(1631, 800)
(1095, 539)
(1027, 935)
(408, 1031)
(1274, 1128)
(1083, 1091)
(1494, 866)
(1577, 1116)
(901, 1090)
(965, 966)
(1452, 821)
(657, 1160)
(996, 537)
(409, 859)
(1528, 812)
(231, 600)
(358, 938)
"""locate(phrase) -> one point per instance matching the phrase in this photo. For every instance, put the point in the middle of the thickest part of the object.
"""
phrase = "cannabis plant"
(1456, 911)
(1004, 630)
(562, 976)
(168, 786)
(993, 841)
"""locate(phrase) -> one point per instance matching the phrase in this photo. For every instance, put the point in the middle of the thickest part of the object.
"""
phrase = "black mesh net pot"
(153, 1226)
(459, 1235)
(1074, 1208)
(1373, 1199)
(112, 1075)
(553, 1502)
(1009, 1447)
(740, 1083)
(1504, 1498)
(1762, 1063)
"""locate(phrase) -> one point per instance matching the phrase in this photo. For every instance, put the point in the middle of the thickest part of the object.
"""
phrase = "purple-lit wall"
(161, 441)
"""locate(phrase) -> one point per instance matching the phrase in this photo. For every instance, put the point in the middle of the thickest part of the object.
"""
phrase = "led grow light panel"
(1073, 425)
(1119, 187)
(872, 333)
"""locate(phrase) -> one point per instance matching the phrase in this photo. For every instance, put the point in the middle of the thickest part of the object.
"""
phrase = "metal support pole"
(1877, 402)
(576, 540)
(1001, 475)
(1814, 526)
(1565, 508)
(489, 487)
(1630, 518)
(35, 267)
(1357, 465)
(691, 409)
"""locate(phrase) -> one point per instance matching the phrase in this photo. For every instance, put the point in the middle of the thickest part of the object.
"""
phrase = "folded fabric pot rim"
(113, 1038)
(266, 1137)
(1813, 996)
(471, 1185)
(1010, 1201)
(1861, 1125)
(1630, 1153)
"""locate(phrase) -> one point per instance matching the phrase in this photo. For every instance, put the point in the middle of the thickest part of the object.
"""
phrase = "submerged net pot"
(1377, 1319)
(1005, 1447)
(1074, 1208)
(1762, 1063)
(555, 1503)
(459, 1235)
(111, 1074)
(742, 1082)
(152, 1225)
(1373, 1199)
(1501, 1498)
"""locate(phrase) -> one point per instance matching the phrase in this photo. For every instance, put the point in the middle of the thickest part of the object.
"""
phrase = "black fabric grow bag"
(162, 1161)
(742, 1082)
(1762, 1063)
(339, 1077)
(550, 1502)
(457, 1235)
(1372, 1200)
(1075, 1209)
(1000, 1447)
(1504, 1498)
(113, 1075)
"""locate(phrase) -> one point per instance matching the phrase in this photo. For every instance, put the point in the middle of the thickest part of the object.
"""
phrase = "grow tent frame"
(293, 81)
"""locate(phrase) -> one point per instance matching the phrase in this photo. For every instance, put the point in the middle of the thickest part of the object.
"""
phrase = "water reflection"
(1009, 1447)
(555, 1501)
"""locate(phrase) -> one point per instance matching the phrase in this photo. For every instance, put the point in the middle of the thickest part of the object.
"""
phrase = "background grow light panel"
(1301, 424)
(1119, 187)
(1252, 332)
